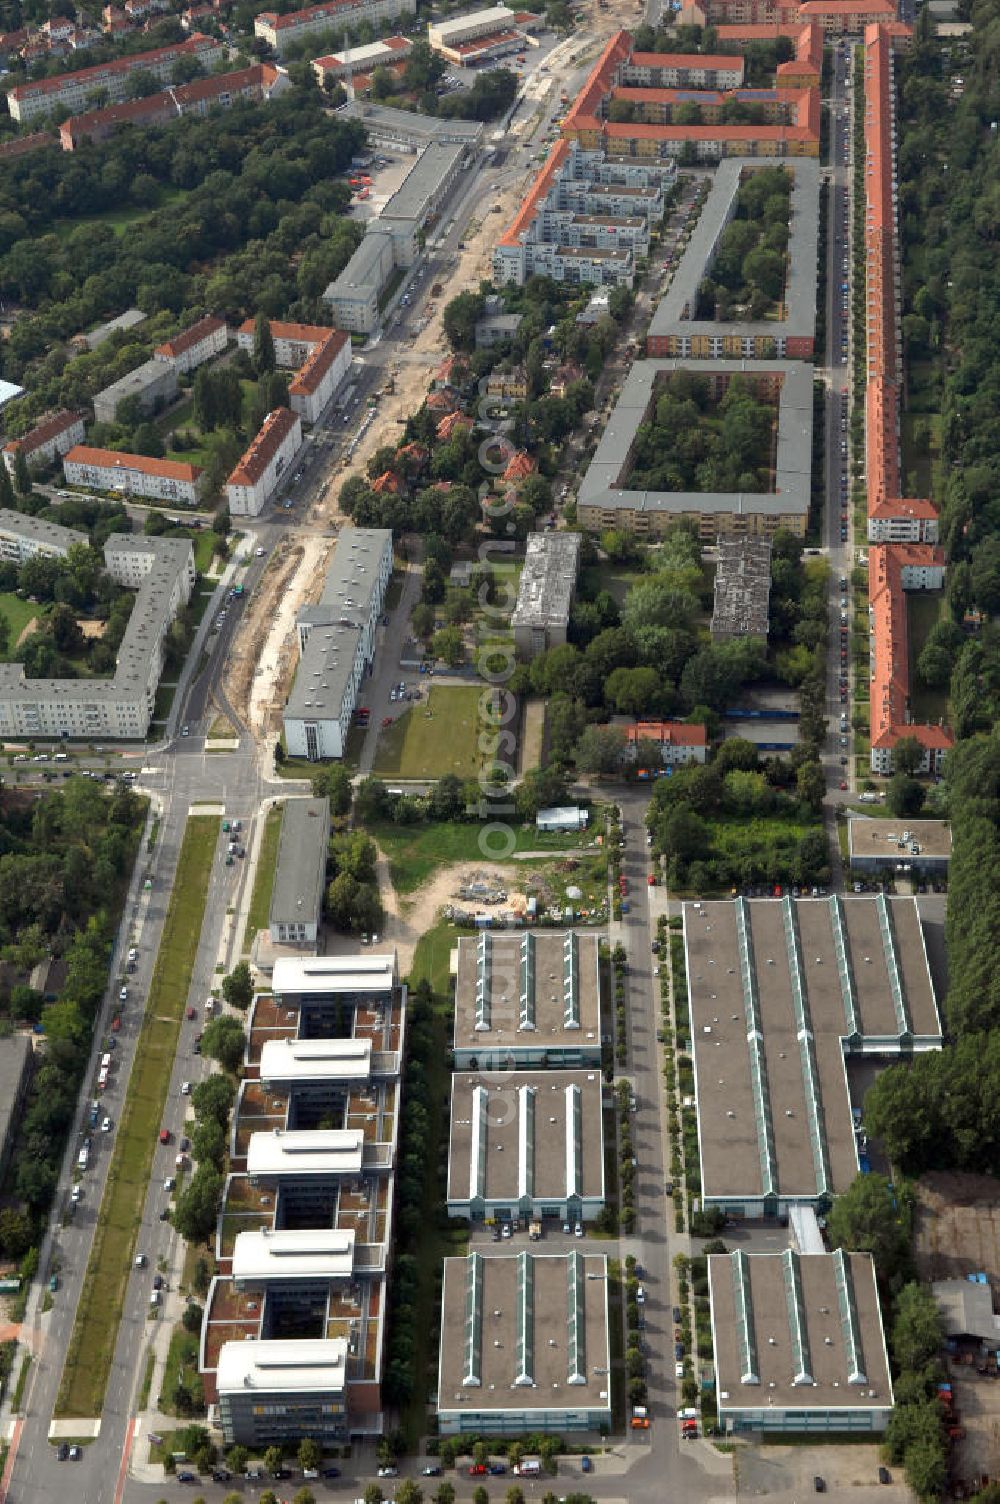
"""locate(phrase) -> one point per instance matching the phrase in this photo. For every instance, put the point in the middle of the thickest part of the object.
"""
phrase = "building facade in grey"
(151, 384)
(337, 643)
(162, 572)
(742, 590)
(675, 332)
(545, 592)
(16, 1059)
(605, 499)
(23, 537)
(300, 874)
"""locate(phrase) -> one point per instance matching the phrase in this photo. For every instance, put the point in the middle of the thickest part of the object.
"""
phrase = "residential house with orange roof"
(194, 345)
(678, 742)
(268, 458)
(133, 474)
(387, 484)
(519, 468)
(54, 435)
(453, 423)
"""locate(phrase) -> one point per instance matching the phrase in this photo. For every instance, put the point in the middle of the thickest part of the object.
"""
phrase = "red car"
(478, 1470)
(116, 1023)
(191, 1013)
(651, 879)
(164, 1135)
(386, 721)
(843, 784)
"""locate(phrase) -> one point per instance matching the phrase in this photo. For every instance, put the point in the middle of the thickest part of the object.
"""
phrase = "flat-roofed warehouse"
(524, 1000)
(526, 1144)
(798, 1342)
(524, 1344)
(782, 992)
(300, 875)
(874, 844)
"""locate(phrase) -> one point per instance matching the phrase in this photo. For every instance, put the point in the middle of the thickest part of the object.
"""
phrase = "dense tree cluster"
(747, 275)
(65, 857)
(691, 442)
(250, 188)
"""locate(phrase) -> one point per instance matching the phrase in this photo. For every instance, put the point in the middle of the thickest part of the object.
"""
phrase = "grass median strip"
(91, 1347)
(263, 882)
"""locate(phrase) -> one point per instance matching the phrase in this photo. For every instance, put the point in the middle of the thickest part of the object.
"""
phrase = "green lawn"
(432, 957)
(91, 1347)
(182, 1362)
(416, 851)
(436, 736)
(923, 610)
(119, 220)
(263, 882)
(204, 542)
(18, 614)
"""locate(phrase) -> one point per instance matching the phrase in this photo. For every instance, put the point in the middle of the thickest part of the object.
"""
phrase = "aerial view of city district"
(499, 752)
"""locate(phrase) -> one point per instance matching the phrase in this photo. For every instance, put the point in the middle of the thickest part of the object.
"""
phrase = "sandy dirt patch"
(92, 630)
(26, 631)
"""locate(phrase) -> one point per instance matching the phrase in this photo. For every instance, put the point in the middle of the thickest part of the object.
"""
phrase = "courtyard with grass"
(17, 613)
(91, 1346)
(435, 736)
(923, 611)
(416, 852)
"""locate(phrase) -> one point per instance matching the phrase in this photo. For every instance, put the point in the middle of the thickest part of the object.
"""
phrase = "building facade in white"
(133, 474)
(322, 373)
(337, 644)
(109, 81)
(192, 347)
(264, 463)
(23, 537)
(277, 31)
(40, 446)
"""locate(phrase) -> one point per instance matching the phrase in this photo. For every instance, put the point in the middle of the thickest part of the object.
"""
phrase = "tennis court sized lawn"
(435, 736)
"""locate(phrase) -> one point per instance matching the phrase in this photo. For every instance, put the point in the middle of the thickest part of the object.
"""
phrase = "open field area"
(415, 852)
(18, 614)
(91, 1347)
(433, 738)
(120, 220)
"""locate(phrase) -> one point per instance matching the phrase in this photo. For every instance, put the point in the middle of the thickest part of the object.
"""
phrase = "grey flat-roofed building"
(674, 331)
(495, 328)
(782, 994)
(337, 643)
(527, 1000)
(545, 592)
(798, 1342)
(389, 127)
(426, 183)
(16, 1057)
(152, 382)
(966, 1308)
(300, 875)
(742, 591)
(353, 297)
(605, 499)
(923, 845)
(22, 537)
(127, 320)
(161, 571)
(524, 1344)
(526, 1144)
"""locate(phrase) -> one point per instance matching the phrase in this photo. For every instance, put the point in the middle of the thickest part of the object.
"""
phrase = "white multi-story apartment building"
(23, 537)
(272, 451)
(337, 643)
(192, 347)
(133, 474)
(162, 571)
(74, 91)
(322, 373)
(277, 31)
(54, 435)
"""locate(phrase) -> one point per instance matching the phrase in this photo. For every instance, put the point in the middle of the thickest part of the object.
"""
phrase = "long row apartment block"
(279, 31)
(23, 537)
(109, 81)
(133, 474)
(585, 219)
(293, 1333)
(834, 17)
(162, 572)
(675, 330)
(903, 532)
(337, 644)
(605, 498)
(652, 132)
(260, 81)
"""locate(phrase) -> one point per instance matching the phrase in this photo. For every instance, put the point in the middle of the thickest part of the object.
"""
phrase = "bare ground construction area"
(957, 1232)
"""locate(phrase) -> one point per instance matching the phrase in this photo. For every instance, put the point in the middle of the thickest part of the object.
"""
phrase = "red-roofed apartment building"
(902, 531)
(193, 346)
(678, 742)
(260, 81)
(54, 435)
(133, 474)
(320, 356)
(266, 460)
(73, 91)
(277, 31)
(390, 52)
